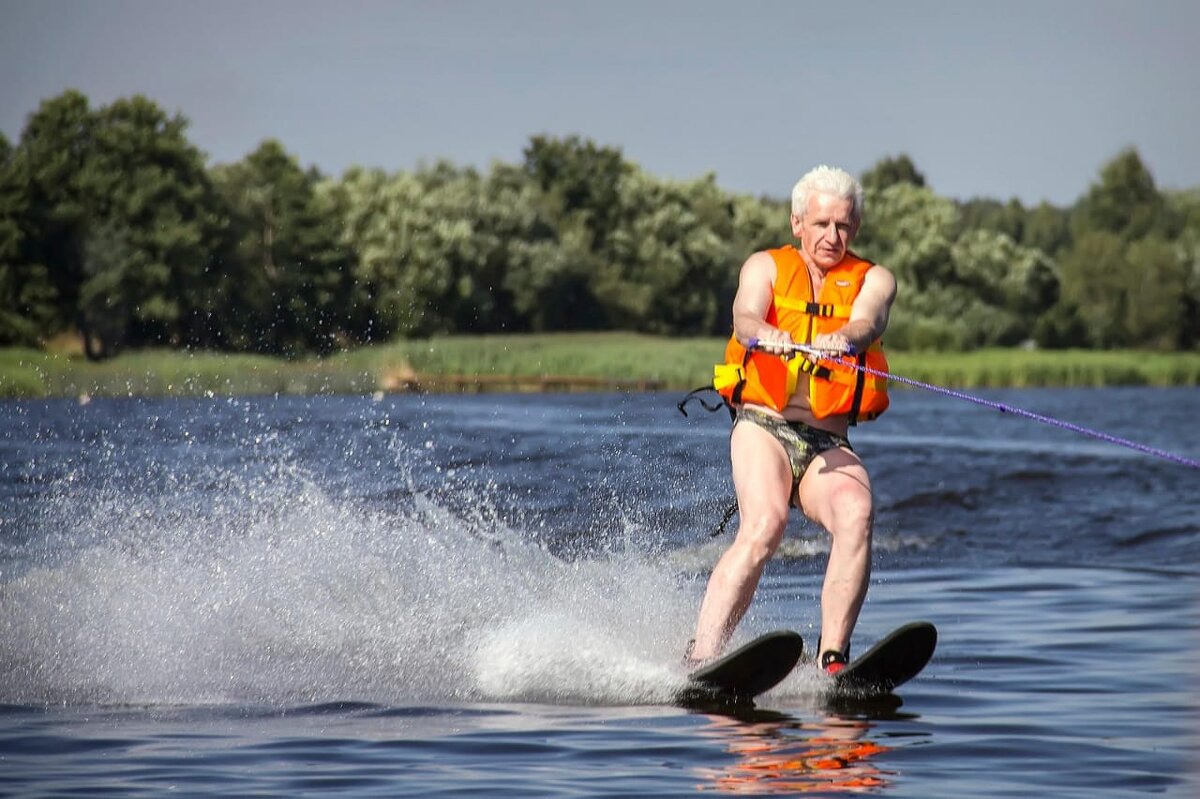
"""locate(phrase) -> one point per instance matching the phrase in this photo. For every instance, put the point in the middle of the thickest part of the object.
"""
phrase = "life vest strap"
(859, 383)
(815, 369)
(695, 393)
(822, 309)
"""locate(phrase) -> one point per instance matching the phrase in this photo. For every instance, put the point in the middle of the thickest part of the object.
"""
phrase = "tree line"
(113, 226)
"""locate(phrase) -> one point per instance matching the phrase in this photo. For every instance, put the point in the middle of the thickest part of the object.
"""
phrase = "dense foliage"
(112, 225)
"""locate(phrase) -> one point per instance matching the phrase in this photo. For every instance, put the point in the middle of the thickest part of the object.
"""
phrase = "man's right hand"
(775, 341)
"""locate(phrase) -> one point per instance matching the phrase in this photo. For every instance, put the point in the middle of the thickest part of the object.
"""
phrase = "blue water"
(488, 596)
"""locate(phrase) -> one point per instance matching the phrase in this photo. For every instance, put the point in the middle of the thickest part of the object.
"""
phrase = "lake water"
(488, 596)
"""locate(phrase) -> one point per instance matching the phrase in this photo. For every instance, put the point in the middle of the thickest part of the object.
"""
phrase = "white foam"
(282, 593)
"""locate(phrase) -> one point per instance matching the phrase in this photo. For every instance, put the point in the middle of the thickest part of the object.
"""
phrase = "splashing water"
(279, 592)
(273, 553)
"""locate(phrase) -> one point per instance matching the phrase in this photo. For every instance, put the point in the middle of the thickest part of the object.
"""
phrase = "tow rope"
(843, 357)
(847, 358)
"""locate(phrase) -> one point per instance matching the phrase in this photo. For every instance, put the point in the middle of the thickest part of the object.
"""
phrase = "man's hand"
(775, 341)
(832, 343)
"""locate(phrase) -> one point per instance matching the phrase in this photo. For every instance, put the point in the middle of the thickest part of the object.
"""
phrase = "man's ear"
(797, 221)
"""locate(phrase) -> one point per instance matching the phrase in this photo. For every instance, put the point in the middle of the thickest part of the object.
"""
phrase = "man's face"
(825, 230)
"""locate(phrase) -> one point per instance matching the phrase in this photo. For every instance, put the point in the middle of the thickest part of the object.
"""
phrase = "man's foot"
(832, 661)
(689, 661)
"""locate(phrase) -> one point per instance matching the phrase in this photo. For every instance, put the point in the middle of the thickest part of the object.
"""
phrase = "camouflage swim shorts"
(800, 441)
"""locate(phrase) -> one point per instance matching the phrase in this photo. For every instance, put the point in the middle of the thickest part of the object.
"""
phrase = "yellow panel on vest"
(727, 375)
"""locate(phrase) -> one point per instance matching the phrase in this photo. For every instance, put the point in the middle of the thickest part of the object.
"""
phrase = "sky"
(995, 98)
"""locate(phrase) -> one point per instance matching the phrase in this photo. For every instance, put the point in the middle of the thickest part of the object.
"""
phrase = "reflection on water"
(776, 754)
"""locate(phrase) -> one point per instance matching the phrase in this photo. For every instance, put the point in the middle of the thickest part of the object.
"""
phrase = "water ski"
(894, 660)
(745, 672)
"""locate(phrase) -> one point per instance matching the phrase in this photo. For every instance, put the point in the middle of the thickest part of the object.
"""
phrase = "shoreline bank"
(538, 363)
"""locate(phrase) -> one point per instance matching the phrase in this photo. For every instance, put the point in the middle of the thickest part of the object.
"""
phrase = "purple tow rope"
(999, 406)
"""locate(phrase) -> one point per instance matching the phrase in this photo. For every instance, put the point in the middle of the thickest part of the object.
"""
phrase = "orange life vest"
(834, 388)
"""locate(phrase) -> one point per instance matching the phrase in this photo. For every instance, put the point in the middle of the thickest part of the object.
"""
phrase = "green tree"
(910, 229)
(984, 214)
(474, 255)
(111, 267)
(1157, 308)
(1130, 295)
(959, 285)
(1046, 228)
(435, 250)
(549, 256)
(291, 290)
(670, 256)
(583, 176)
(151, 218)
(758, 223)
(116, 215)
(1186, 205)
(1018, 284)
(1127, 276)
(890, 171)
(27, 298)
(1094, 285)
(550, 280)
(368, 207)
(1125, 202)
(47, 206)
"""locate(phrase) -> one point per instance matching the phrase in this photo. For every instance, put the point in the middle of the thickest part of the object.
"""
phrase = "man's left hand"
(832, 343)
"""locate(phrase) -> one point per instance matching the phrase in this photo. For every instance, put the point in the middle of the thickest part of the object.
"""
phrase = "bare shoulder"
(879, 279)
(756, 287)
(759, 267)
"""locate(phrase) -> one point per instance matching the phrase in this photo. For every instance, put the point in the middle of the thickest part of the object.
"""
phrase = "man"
(788, 445)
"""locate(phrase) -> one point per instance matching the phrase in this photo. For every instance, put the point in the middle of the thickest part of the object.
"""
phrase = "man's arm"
(868, 315)
(756, 292)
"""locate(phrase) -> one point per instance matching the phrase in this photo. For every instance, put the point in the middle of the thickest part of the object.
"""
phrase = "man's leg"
(762, 478)
(835, 492)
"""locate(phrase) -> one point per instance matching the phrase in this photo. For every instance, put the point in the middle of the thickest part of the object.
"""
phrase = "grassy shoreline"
(538, 362)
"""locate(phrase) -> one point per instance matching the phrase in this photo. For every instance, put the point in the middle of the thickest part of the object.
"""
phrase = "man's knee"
(851, 512)
(759, 535)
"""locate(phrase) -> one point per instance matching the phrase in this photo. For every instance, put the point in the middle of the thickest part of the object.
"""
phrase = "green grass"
(29, 373)
(670, 363)
(614, 356)
(1043, 368)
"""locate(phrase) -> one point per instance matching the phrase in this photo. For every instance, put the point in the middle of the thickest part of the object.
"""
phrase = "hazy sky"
(998, 99)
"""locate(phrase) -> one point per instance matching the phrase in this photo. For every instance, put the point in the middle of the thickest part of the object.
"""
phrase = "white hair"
(828, 180)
